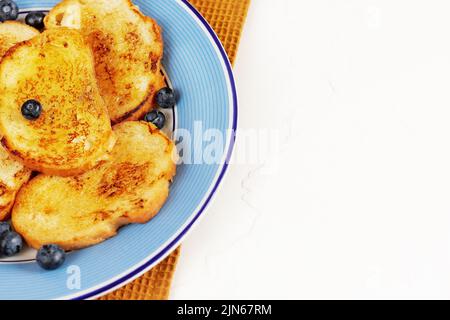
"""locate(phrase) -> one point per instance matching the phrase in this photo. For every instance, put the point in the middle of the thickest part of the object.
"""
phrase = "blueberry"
(31, 109)
(50, 257)
(10, 243)
(165, 98)
(8, 10)
(35, 19)
(156, 117)
(4, 227)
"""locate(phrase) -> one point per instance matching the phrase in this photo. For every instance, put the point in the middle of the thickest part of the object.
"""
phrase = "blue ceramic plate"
(198, 69)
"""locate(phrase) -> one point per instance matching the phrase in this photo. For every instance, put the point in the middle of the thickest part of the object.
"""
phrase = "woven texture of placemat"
(227, 18)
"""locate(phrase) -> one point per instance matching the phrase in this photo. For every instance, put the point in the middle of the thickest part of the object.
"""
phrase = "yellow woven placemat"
(227, 17)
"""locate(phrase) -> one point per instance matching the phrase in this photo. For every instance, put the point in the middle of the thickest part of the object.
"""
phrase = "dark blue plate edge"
(165, 251)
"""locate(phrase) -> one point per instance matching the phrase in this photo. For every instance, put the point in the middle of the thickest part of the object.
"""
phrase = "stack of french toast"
(77, 161)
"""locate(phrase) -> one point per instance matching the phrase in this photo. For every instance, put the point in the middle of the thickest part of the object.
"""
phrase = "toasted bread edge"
(5, 210)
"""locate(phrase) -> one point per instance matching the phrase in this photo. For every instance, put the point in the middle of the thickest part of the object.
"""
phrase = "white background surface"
(359, 205)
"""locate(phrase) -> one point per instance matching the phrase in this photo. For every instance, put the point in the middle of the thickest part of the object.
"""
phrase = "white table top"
(358, 206)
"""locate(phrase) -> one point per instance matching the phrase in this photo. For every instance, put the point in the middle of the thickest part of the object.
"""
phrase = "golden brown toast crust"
(12, 176)
(127, 47)
(79, 211)
(73, 132)
(13, 32)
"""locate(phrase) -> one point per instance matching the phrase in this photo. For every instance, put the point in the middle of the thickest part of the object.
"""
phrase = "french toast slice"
(13, 32)
(79, 211)
(127, 47)
(73, 133)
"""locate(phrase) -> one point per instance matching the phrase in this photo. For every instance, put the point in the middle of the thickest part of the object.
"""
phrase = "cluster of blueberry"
(49, 257)
(10, 11)
(165, 98)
